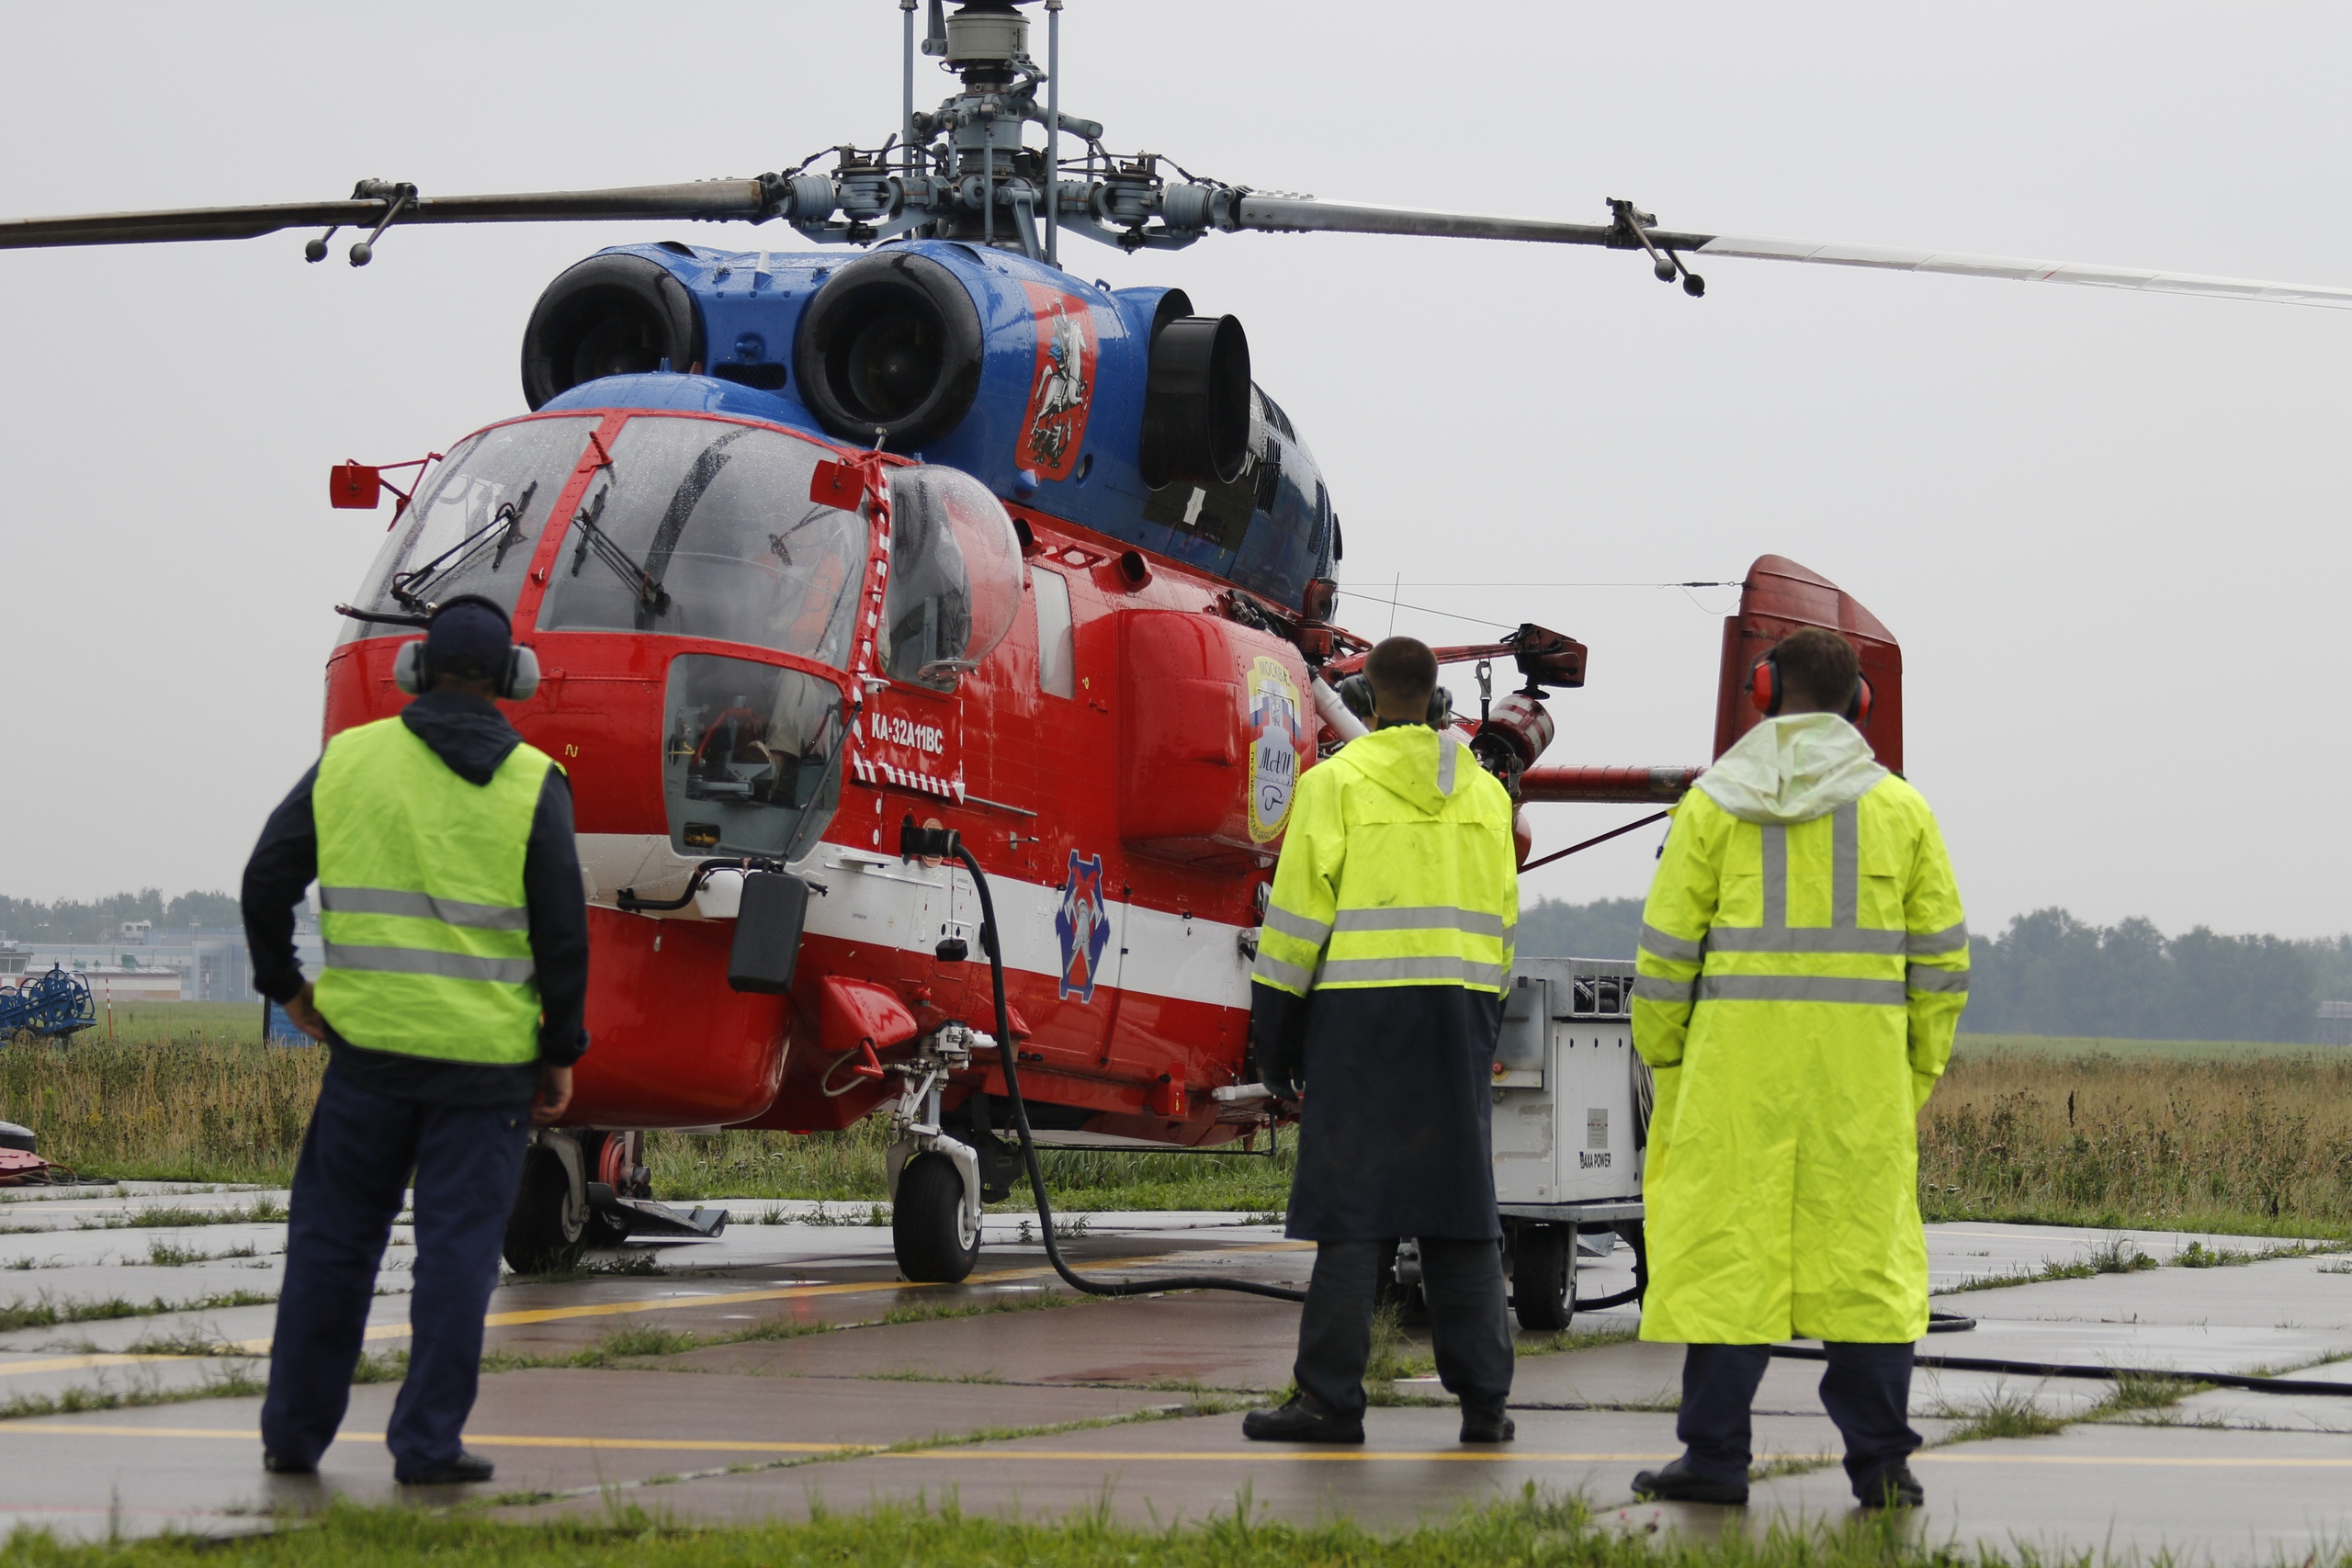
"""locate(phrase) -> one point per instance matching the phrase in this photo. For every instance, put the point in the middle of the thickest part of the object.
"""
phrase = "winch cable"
(1008, 1054)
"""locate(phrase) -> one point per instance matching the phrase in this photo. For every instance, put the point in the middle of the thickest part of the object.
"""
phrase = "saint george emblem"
(1083, 924)
(1061, 388)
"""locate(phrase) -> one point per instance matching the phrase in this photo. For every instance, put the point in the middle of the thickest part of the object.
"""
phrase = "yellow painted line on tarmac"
(477, 1439)
(84, 1363)
(786, 1293)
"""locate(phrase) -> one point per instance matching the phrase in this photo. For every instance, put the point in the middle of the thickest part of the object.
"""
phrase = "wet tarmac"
(787, 1367)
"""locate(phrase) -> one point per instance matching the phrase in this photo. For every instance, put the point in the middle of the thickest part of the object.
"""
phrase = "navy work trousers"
(355, 1161)
(1866, 1390)
(1469, 1322)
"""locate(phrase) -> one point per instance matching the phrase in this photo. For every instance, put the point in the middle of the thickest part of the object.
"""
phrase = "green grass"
(1533, 1531)
(46, 1313)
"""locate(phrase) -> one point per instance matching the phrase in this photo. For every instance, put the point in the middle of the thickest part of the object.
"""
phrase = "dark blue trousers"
(355, 1161)
(1469, 1322)
(1866, 1390)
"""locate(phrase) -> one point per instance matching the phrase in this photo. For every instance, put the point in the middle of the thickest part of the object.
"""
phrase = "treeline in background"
(2051, 974)
(24, 920)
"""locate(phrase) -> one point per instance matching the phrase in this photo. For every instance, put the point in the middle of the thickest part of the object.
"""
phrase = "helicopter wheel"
(548, 1228)
(936, 1241)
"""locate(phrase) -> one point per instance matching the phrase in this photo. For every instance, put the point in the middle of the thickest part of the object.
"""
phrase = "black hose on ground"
(1008, 1054)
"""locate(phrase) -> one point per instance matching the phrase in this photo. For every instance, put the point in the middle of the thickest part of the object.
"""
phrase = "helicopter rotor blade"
(1291, 214)
(743, 201)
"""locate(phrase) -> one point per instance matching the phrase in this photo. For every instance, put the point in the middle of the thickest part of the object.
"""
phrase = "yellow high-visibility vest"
(422, 906)
(1398, 869)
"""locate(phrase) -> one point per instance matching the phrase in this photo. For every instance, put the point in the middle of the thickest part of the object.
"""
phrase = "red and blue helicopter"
(818, 550)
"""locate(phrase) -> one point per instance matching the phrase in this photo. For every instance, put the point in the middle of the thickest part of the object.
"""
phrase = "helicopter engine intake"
(612, 314)
(890, 348)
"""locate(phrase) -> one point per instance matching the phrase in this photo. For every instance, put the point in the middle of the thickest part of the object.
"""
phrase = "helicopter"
(813, 548)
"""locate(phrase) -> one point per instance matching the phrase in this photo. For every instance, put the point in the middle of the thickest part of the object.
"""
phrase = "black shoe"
(1677, 1484)
(1297, 1422)
(1487, 1426)
(282, 1464)
(466, 1467)
(1895, 1488)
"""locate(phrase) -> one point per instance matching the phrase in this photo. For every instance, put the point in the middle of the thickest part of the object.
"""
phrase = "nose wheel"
(933, 1229)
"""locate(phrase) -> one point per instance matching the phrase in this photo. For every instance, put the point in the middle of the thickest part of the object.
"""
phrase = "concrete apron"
(764, 1426)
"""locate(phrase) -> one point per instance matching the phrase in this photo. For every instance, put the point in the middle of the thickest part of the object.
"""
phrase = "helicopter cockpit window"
(475, 523)
(751, 757)
(955, 576)
(704, 528)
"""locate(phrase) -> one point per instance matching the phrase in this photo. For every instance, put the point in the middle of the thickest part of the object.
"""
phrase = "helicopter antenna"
(1053, 130)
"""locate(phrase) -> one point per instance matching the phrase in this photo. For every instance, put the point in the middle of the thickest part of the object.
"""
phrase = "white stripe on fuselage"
(871, 898)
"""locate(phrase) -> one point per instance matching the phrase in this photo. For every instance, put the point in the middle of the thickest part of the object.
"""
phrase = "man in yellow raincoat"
(1803, 963)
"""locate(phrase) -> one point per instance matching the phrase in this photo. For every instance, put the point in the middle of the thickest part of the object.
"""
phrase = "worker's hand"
(554, 1097)
(304, 1017)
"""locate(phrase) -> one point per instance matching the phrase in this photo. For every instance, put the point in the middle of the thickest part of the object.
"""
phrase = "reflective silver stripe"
(1857, 942)
(1425, 918)
(1269, 967)
(1658, 988)
(1799, 988)
(1674, 949)
(423, 906)
(1928, 944)
(1776, 877)
(1445, 750)
(1299, 926)
(1924, 978)
(1844, 864)
(1344, 971)
(422, 961)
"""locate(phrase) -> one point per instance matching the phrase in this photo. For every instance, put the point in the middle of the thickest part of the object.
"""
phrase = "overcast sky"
(2108, 528)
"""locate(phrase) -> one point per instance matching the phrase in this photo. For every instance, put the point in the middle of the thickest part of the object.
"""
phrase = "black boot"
(1299, 1422)
(1487, 1424)
(1892, 1488)
(1675, 1483)
(466, 1467)
(282, 1464)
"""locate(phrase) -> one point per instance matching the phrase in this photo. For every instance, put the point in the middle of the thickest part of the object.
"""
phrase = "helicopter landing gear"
(584, 1189)
(615, 1160)
(934, 1231)
(548, 1226)
(935, 1179)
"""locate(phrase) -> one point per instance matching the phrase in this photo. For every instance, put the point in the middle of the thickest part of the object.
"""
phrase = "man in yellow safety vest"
(456, 936)
(1803, 963)
(1378, 986)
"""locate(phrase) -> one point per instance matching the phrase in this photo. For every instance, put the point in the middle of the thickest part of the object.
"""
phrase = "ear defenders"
(1766, 691)
(414, 673)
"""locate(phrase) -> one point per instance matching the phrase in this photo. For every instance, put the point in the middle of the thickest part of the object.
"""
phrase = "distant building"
(111, 983)
(197, 964)
(2335, 1023)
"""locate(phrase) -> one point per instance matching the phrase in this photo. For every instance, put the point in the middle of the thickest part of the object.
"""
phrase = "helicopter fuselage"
(1121, 761)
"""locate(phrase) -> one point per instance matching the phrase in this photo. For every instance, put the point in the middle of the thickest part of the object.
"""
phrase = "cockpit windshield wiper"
(407, 587)
(651, 595)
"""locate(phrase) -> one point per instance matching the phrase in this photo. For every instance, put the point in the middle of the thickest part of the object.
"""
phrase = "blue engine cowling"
(1117, 410)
